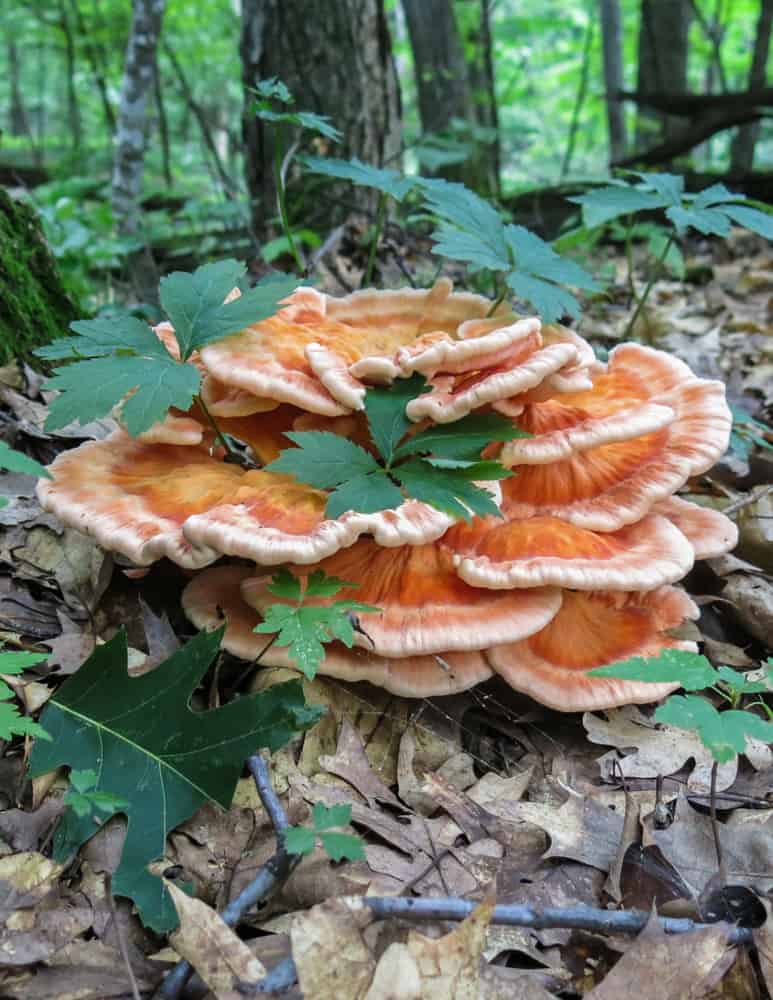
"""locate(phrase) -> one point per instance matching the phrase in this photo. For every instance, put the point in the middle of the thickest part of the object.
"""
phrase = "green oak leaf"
(150, 749)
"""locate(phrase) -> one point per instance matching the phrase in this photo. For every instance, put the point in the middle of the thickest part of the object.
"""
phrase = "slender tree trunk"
(163, 125)
(96, 62)
(198, 113)
(440, 68)
(662, 63)
(130, 134)
(481, 171)
(612, 39)
(495, 148)
(742, 150)
(582, 90)
(336, 58)
(18, 123)
(73, 109)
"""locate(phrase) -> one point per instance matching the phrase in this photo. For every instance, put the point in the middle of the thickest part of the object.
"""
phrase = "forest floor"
(480, 795)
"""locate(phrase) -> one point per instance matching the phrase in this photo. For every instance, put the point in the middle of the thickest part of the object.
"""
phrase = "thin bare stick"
(120, 936)
(721, 866)
(268, 879)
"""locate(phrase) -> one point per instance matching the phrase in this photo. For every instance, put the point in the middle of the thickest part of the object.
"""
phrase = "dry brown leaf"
(221, 958)
(330, 954)
(26, 879)
(662, 750)
(763, 939)
(688, 966)
(351, 763)
(747, 846)
(23, 830)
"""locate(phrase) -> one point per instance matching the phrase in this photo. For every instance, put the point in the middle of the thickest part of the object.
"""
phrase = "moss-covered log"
(34, 306)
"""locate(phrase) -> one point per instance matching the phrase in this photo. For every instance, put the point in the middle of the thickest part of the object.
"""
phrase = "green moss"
(34, 306)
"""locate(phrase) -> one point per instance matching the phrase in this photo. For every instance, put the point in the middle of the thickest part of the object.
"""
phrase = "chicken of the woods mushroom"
(580, 570)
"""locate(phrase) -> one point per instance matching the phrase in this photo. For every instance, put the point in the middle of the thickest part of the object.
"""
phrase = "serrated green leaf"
(738, 683)
(273, 89)
(323, 459)
(330, 817)
(669, 186)
(196, 308)
(389, 182)
(320, 124)
(466, 210)
(343, 845)
(448, 490)
(366, 494)
(385, 410)
(150, 749)
(319, 584)
(15, 461)
(299, 840)
(83, 779)
(714, 195)
(691, 671)
(464, 439)
(90, 389)
(475, 249)
(104, 336)
(602, 205)
(550, 301)
(709, 221)
(13, 723)
(751, 218)
(533, 255)
(285, 584)
(15, 663)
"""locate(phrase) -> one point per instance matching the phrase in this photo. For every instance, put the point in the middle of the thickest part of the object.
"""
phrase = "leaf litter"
(473, 795)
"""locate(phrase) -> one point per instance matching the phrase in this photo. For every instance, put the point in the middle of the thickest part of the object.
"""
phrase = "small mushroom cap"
(176, 428)
(605, 482)
(215, 595)
(592, 630)
(228, 401)
(424, 606)
(710, 533)
(545, 551)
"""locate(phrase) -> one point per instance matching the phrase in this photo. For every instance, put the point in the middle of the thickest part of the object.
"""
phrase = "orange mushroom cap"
(608, 481)
(709, 532)
(216, 593)
(424, 606)
(545, 551)
(592, 630)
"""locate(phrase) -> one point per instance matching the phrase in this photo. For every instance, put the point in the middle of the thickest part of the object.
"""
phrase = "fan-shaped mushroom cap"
(133, 497)
(544, 551)
(176, 428)
(591, 630)
(318, 352)
(148, 501)
(709, 532)
(424, 606)
(606, 483)
(216, 594)
(227, 401)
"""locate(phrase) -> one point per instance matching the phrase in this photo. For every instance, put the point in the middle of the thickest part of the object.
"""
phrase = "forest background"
(132, 127)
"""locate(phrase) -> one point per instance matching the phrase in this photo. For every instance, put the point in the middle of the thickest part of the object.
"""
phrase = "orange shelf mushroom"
(578, 572)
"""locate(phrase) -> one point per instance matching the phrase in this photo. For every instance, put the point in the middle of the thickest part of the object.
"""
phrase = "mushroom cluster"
(577, 573)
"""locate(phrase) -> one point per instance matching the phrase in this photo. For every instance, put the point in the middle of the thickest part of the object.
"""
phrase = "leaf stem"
(498, 301)
(378, 226)
(281, 203)
(653, 278)
(218, 433)
(629, 258)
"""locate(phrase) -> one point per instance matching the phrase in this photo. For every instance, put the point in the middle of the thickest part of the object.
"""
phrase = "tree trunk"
(336, 58)
(18, 123)
(96, 62)
(34, 305)
(482, 169)
(662, 63)
(137, 87)
(440, 69)
(73, 110)
(742, 150)
(612, 39)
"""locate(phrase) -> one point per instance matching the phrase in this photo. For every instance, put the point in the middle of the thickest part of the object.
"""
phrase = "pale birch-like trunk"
(136, 91)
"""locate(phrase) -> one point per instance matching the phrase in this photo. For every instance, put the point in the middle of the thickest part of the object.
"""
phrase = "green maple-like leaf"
(724, 734)
(122, 359)
(12, 722)
(692, 671)
(150, 749)
(340, 846)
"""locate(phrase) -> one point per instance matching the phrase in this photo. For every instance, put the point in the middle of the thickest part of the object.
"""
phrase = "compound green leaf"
(323, 459)
(15, 461)
(691, 671)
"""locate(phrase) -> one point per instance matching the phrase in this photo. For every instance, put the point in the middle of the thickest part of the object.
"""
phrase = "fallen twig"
(269, 877)
(584, 918)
